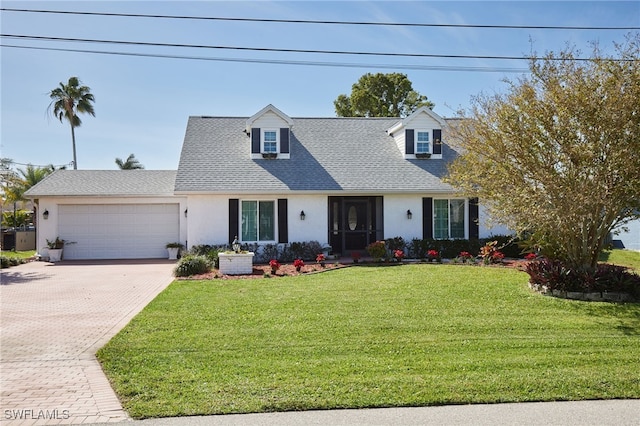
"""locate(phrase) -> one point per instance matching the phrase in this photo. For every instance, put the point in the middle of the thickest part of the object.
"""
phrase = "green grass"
(411, 335)
(19, 254)
(622, 257)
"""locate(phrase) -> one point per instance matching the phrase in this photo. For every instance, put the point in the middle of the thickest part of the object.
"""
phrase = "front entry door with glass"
(354, 222)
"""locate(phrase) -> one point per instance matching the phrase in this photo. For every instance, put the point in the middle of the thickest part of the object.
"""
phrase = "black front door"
(354, 222)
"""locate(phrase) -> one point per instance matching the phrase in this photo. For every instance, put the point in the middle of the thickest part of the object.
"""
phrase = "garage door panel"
(118, 231)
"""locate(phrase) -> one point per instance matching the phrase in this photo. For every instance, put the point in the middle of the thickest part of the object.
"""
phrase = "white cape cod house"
(269, 178)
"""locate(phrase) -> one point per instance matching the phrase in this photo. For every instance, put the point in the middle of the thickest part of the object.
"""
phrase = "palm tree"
(18, 184)
(130, 164)
(67, 101)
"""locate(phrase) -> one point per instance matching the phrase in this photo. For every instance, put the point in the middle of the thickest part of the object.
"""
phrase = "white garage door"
(118, 231)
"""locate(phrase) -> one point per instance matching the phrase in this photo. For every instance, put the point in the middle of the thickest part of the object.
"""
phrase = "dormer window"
(270, 134)
(422, 142)
(270, 141)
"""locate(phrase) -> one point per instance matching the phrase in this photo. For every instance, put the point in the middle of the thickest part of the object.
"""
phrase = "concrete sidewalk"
(54, 318)
(570, 413)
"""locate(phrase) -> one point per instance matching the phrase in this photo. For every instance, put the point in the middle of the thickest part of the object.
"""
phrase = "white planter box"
(236, 263)
(173, 252)
(55, 255)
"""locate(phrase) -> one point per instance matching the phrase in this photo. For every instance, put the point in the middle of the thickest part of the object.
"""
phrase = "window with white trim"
(270, 141)
(448, 219)
(422, 142)
(258, 219)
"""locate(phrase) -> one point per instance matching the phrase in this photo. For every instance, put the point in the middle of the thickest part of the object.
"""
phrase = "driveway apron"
(53, 319)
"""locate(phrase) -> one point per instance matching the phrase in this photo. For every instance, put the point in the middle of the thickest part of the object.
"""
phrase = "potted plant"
(55, 249)
(173, 249)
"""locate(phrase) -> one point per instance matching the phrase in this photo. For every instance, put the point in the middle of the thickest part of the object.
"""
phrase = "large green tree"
(557, 156)
(131, 163)
(67, 101)
(381, 95)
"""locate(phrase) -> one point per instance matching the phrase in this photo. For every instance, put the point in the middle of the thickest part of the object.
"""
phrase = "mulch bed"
(260, 271)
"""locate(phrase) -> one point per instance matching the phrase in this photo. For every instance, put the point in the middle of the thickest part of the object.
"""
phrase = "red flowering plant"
(298, 263)
(355, 255)
(531, 256)
(433, 256)
(464, 257)
(320, 258)
(275, 265)
(399, 255)
(490, 253)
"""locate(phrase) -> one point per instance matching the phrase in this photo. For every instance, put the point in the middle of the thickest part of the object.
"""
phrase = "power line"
(279, 50)
(324, 22)
(280, 62)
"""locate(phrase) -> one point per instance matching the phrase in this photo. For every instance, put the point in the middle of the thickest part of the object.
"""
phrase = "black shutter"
(255, 140)
(427, 218)
(437, 141)
(474, 225)
(408, 141)
(234, 205)
(284, 140)
(283, 226)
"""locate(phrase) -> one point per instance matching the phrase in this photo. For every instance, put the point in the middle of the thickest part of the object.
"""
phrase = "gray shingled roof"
(327, 154)
(105, 183)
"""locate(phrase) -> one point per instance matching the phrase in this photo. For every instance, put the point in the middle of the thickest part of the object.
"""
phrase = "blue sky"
(143, 103)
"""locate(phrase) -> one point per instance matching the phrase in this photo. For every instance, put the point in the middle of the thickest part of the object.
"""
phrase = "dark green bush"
(510, 245)
(192, 265)
(7, 261)
(306, 250)
(448, 249)
(396, 243)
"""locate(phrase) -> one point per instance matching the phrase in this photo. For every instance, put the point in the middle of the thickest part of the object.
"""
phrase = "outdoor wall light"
(45, 214)
(409, 214)
(235, 245)
(302, 215)
(186, 211)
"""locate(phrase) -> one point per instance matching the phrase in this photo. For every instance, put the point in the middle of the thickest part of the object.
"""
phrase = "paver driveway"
(53, 319)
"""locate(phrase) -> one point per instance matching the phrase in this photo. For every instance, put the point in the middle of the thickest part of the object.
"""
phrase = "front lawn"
(409, 335)
(19, 254)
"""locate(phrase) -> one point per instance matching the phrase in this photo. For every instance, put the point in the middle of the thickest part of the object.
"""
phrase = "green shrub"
(192, 265)
(510, 245)
(305, 250)
(377, 250)
(396, 243)
(8, 261)
(448, 249)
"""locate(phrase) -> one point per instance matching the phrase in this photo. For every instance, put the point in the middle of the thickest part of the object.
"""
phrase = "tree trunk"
(73, 142)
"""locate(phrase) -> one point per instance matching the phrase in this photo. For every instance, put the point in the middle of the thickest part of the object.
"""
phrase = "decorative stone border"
(584, 296)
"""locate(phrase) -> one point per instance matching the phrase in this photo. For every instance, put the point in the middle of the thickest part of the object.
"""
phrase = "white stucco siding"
(489, 227)
(396, 223)
(314, 226)
(208, 219)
